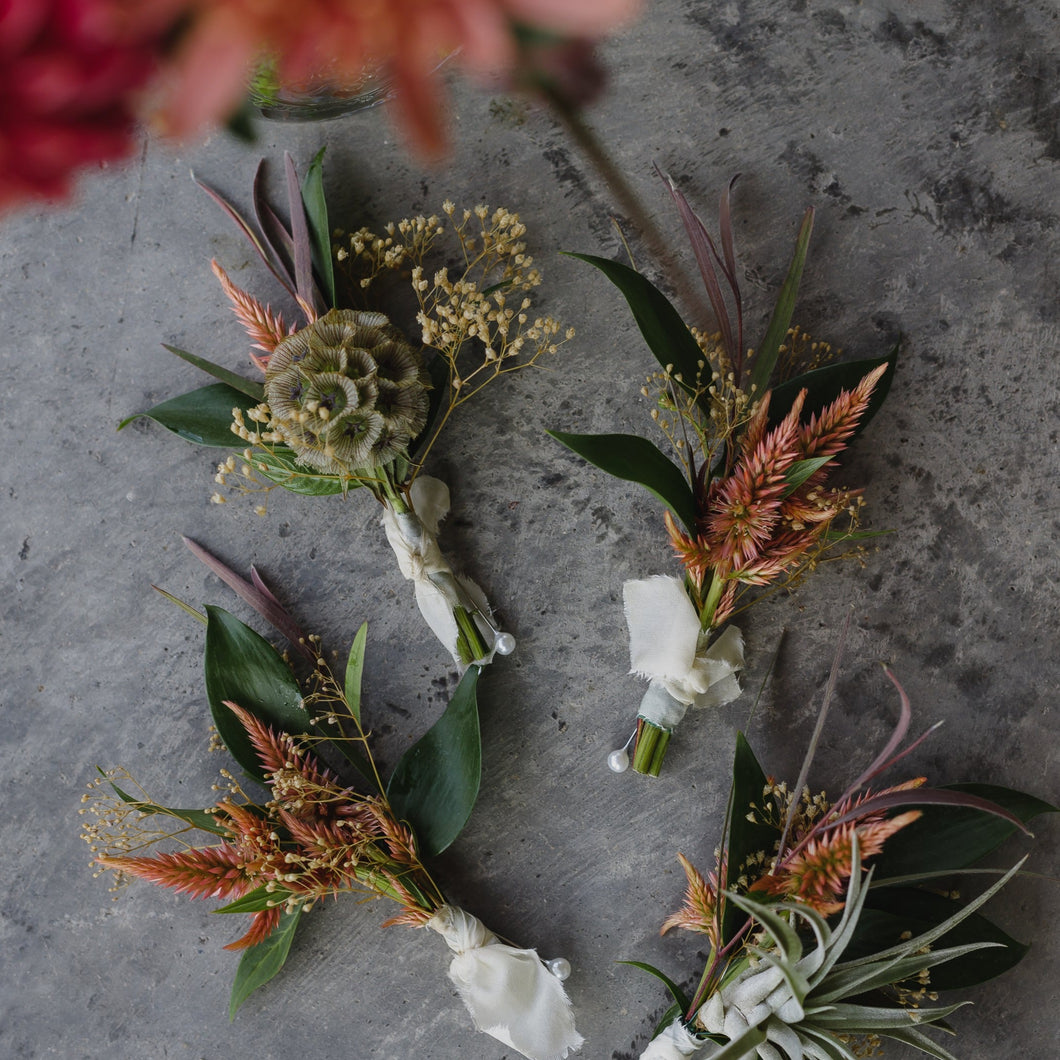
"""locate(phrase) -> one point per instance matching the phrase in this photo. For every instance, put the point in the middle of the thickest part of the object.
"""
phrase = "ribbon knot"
(666, 645)
(509, 992)
(412, 536)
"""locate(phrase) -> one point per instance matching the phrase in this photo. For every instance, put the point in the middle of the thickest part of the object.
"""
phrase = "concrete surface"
(927, 135)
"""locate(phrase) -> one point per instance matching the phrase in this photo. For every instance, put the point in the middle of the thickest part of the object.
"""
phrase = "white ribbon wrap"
(413, 537)
(510, 993)
(667, 646)
(675, 1043)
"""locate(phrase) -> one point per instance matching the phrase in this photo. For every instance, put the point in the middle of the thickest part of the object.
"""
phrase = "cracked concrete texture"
(927, 137)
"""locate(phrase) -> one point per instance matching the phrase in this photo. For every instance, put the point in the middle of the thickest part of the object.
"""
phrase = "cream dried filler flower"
(348, 400)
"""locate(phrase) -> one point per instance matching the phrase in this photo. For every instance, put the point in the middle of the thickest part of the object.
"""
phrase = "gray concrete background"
(927, 135)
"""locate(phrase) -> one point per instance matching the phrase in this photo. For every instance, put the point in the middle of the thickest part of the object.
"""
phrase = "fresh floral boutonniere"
(302, 834)
(750, 503)
(347, 399)
(811, 955)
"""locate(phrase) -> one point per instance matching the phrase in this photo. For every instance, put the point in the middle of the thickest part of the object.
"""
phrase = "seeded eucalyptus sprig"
(348, 399)
(747, 494)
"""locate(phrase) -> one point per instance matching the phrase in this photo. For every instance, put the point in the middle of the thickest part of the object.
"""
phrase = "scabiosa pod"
(317, 834)
(749, 504)
(813, 954)
(349, 399)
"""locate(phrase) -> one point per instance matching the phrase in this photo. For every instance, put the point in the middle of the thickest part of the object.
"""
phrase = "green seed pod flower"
(347, 392)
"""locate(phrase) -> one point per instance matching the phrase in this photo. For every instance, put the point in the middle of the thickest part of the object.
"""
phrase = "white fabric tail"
(667, 646)
(509, 992)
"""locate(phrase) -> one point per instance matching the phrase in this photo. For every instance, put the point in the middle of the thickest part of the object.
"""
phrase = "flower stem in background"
(583, 135)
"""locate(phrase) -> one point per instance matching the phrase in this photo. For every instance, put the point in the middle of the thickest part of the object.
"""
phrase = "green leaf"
(664, 331)
(635, 459)
(742, 1047)
(765, 358)
(316, 212)
(673, 1012)
(354, 670)
(279, 464)
(200, 819)
(242, 667)
(435, 785)
(676, 992)
(743, 837)
(438, 370)
(250, 387)
(893, 910)
(952, 837)
(824, 385)
(202, 416)
(261, 962)
(256, 901)
(801, 470)
(919, 1040)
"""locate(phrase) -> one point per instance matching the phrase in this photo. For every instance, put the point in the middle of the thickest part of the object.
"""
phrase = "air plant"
(749, 504)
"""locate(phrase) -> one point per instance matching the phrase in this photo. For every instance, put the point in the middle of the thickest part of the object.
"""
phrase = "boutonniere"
(346, 399)
(290, 830)
(833, 922)
(751, 500)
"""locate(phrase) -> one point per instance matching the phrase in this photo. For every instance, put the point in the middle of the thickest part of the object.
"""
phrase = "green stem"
(649, 750)
(710, 604)
(582, 134)
(470, 644)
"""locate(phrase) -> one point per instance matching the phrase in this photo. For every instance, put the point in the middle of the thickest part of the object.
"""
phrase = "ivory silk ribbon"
(675, 1043)
(510, 993)
(667, 646)
(413, 537)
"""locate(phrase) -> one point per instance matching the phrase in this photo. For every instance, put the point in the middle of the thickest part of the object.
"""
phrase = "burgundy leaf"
(247, 231)
(258, 597)
(303, 250)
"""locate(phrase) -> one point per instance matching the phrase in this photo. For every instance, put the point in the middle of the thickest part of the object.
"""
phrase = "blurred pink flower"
(408, 38)
(70, 75)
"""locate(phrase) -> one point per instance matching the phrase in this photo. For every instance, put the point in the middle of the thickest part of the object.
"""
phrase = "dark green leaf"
(743, 837)
(672, 1013)
(435, 785)
(257, 901)
(203, 416)
(824, 385)
(438, 370)
(316, 212)
(635, 459)
(893, 910)
(261, 962)
(279, 464)
(250, 387)
(953, 837)
(676, 992)
(243, 668)
(765, 358)
(801, 470)
(200, 819)
(664, 331)
(354, 670)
